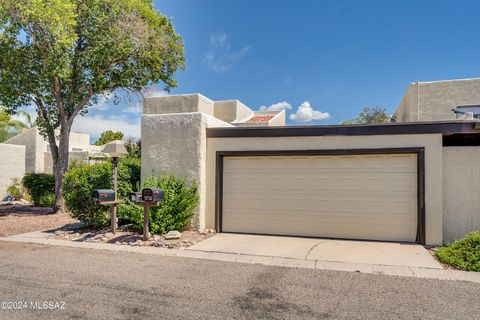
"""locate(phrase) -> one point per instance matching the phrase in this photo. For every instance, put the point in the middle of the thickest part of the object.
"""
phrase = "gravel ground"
(117, 285)
(15, 219)
(188, 237)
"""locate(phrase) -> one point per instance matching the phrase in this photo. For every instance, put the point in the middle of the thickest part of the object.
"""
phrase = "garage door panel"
(352, 196)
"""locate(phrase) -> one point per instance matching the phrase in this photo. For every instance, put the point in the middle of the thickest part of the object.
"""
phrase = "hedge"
(41, 188)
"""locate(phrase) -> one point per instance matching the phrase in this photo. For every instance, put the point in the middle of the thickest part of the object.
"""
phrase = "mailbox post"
(147, 198)
(115, 149)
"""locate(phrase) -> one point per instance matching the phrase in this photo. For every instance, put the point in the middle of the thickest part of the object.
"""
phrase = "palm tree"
(10, 127)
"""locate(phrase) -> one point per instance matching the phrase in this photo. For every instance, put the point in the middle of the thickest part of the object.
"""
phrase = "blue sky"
(330, 57)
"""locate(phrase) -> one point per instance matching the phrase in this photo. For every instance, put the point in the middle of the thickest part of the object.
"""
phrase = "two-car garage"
(351, 194)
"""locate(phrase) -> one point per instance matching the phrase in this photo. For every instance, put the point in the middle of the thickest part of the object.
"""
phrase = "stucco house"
(439, 100)
(38, 157)
(28, 152)
(412, 181)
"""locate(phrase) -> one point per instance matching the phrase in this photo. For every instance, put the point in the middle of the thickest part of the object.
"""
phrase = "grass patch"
(463, 254)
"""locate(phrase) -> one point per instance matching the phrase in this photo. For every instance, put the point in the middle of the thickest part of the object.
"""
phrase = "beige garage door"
(353, 196)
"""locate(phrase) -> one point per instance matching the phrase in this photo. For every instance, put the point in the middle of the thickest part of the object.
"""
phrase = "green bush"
(463, 254)
(41, 188)
(174, 212)
(80, 181)
(17, 190)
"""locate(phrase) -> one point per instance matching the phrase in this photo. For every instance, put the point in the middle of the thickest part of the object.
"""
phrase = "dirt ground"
(16, 218)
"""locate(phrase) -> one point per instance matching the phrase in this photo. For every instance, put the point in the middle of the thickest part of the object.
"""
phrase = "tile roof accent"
(259, 119)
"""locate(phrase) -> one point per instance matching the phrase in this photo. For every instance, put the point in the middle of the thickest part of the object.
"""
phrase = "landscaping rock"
(171, 235)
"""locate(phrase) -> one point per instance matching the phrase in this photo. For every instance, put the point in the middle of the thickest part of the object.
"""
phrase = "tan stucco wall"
(433, 165)
(12, 165)
(425, 101)
(178, 104)
(231, 110)
(176, 143)
(407, 110)
(461, 190)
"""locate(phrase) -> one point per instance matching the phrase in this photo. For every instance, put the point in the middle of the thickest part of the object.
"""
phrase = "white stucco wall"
(278, 120)
(461, 191)
(12, 165)
(433, 165)
(28, 138)
(37, 151)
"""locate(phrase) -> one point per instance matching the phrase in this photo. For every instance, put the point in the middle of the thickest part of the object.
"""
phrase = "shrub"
(174, 212)
(463, 254)
(17, 190)
(41, 188)
(82, 179)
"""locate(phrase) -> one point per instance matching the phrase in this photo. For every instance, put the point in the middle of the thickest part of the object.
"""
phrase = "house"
(38, 157)
(439, 100)
(28, 152)
(406, 181)
(12, 165)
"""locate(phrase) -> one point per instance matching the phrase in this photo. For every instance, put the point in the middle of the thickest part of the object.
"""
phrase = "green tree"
(10, 127)
(108, 136)
(134, 148)
(370, 116)
(63, 55)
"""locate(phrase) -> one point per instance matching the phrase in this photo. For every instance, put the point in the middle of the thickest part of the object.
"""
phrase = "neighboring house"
(12, 165)
(38, 157)
(436, 100)
(230, 111)
(390, 182)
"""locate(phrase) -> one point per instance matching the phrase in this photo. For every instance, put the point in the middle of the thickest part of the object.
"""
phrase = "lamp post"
(115, 150)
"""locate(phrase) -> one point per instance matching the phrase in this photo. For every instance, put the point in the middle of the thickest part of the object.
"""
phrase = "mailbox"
(135, 197)
(152, 195)
(103, 195)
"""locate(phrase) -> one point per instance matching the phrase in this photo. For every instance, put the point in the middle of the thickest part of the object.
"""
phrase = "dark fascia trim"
(419, 151)
(444, 128)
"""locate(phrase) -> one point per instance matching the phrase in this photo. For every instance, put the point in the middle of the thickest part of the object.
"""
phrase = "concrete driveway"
(349, 251)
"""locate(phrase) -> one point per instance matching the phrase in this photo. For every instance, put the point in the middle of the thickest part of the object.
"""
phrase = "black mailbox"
(103, 195)
(152, 195)
(135, 197)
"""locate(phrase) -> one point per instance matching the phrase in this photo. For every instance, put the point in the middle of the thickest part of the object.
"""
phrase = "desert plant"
(41, 188)
(174, 212)
(463, 254)
(17, 190)
(82, 179)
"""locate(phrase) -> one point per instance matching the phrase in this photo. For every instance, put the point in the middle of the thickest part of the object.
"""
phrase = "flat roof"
(430, 127)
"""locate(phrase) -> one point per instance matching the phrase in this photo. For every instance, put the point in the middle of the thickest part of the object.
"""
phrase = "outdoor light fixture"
(115, 149)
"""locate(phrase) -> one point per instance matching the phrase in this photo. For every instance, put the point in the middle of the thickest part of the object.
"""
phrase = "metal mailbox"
(152, 195)
(103, 195)
(135, 197)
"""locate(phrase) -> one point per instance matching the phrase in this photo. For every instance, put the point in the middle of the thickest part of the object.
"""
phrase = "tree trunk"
(60, 165)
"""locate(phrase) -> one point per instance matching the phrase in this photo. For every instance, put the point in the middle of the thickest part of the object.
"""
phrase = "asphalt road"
(95, 284)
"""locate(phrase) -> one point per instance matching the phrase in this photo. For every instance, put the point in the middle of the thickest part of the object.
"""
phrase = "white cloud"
(154, 92)
(220, 56)
(305, 113)
(135, 107)
(276, 106)
(95, 125)
(219, 39)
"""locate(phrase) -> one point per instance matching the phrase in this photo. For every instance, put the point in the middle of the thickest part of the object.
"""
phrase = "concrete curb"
(39, 237)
